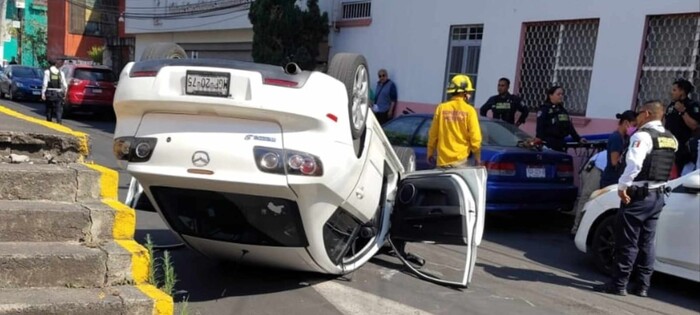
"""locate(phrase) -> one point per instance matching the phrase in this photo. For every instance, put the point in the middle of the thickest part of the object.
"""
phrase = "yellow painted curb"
(123, 233)
(124, 217)
(109, 181)
(163, 303)
(82, 137)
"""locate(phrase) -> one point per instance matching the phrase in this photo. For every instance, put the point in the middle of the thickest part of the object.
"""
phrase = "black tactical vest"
(54, 80)
(658, 164)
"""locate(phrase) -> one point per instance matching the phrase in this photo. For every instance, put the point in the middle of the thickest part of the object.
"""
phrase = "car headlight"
(19, 85)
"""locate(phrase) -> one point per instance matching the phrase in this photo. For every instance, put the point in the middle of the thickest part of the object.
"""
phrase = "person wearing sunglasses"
(384, 98)
(682, 117)
(642, 189)
(505, 105)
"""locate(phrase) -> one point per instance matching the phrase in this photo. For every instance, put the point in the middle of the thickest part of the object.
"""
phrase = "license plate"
(207, 83)
(535, 172)
(97, 91)
(36, 92)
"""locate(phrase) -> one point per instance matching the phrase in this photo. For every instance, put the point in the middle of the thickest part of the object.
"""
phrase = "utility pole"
(20, 17)
(3, 29)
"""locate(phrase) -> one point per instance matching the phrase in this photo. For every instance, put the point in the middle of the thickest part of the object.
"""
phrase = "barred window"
(671, 51)
(464, 52)
(352, 10)
(558, 53)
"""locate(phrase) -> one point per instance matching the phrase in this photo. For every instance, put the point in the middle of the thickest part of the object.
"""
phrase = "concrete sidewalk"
(37, 138)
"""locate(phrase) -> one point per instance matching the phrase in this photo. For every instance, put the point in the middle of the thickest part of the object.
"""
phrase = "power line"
(186, 27)
(216, 11)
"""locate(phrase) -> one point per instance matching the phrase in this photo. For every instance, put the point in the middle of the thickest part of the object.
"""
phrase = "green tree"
(283, 32)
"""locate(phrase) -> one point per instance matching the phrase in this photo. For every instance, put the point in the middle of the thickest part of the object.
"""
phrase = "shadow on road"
(208, 279)
(544, 239)
(102, 122)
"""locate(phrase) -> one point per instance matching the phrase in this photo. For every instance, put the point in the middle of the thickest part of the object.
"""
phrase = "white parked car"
(281, 167)
(677, 232)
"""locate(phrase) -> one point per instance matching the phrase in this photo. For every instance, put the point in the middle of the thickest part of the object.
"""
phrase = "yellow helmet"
(460, 83)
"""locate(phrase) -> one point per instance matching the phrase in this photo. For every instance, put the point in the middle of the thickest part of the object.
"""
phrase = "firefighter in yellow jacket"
(455, 133)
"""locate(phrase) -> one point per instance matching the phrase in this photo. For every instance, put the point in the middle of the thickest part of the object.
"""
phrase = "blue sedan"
(21, 82)
(520, 177)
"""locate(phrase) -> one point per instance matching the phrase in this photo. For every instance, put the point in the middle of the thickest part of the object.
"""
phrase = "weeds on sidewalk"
(161, 273)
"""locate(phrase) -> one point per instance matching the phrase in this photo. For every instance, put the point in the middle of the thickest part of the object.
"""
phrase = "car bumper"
(502, 196)
(23, 93)
(251, 194)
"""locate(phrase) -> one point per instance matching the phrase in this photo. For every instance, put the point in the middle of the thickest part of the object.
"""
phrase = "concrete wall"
(410, 39)
(219, 36)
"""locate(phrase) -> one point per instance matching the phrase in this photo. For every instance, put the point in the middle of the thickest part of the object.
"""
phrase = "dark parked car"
(520, 177)
(21, 83)
(90, 88)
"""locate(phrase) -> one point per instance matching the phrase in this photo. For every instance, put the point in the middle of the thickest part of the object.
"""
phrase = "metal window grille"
(464, 52)
(671, 51)
(558, 53)
(356, 10)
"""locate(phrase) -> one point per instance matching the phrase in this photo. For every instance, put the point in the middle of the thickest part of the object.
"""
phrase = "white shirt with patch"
(640, 146)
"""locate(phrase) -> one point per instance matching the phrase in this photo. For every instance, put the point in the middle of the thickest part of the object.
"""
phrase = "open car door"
(438, 222)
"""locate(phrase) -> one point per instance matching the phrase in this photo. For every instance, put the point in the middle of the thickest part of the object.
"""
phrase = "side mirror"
(692, 181)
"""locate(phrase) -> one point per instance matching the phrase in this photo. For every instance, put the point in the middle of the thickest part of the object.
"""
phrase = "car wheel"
(11, 95)
(407, 157)
(67, 110)
(603, 245)
(351, 69)
(163, 51)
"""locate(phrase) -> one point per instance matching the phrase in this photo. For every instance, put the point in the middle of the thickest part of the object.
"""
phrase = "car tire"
(11, 96)
(351, 69)
(163, 50)
(67, 110)
(603, 245)
(407, 157)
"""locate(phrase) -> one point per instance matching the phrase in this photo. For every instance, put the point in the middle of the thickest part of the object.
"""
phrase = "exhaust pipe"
(292, 68)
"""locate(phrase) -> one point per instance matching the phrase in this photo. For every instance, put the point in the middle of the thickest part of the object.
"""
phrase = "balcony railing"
(355, 10)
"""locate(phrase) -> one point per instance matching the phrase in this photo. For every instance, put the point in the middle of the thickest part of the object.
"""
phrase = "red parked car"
(90, 88)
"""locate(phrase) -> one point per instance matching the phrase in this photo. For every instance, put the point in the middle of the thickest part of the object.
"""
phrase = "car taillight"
(143, 73)
(133, 149)
(279, 161)
(74, 82)
(501, 168)
(280, 82)
(565, 170)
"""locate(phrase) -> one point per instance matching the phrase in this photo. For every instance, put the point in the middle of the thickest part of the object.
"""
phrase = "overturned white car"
(285, 168)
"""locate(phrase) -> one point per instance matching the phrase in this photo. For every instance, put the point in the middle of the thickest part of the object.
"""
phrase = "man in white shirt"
(649, 160)
(590, 182)
(52, 91)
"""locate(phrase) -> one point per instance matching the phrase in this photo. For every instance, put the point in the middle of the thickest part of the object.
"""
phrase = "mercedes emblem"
(200, 159)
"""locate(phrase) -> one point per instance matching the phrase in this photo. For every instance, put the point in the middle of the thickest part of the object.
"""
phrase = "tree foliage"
(283, 32)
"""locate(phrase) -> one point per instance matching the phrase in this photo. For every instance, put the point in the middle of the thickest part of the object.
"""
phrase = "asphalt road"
(526, 265)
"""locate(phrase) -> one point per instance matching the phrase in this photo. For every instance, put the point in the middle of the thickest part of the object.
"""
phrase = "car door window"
(401, 130)
(421, 139)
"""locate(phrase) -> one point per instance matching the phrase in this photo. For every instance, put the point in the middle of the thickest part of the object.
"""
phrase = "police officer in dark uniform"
(553, 121)
(504, 105)
(682, 117)
(648, 162)
(53, 90)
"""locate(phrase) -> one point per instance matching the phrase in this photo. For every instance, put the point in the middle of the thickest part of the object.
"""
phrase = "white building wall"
(410, 39)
